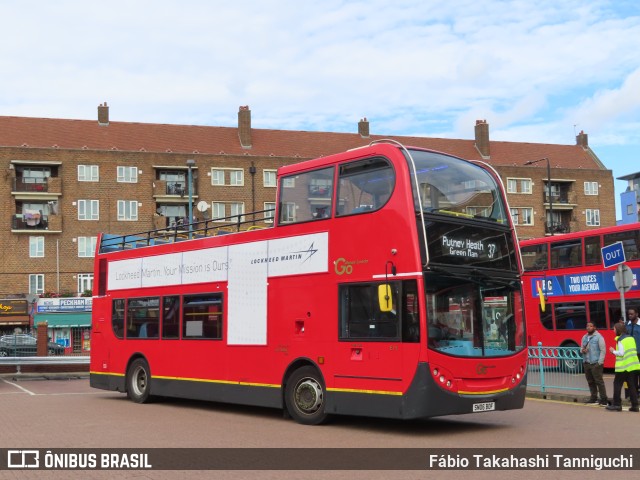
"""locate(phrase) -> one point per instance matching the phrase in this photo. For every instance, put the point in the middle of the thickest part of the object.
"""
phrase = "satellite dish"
(202, 206)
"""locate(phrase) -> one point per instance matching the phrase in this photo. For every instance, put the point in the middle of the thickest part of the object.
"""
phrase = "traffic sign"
(613, 255)
(623, 278)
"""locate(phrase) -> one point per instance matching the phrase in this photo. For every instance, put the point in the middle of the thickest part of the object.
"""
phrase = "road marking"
(19, 387)
(34, 394)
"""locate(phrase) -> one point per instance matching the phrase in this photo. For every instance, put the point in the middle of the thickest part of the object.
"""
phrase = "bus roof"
(585, 233)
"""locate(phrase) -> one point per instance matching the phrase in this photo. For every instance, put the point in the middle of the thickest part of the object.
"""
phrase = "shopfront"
(14, 313)
(68, 321)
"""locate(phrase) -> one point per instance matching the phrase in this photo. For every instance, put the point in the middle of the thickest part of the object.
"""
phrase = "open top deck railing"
(180, 232)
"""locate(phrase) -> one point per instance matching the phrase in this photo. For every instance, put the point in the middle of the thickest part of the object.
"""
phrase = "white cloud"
(531, 70)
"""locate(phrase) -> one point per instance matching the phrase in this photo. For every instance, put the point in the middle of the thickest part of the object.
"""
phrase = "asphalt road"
(67, 413)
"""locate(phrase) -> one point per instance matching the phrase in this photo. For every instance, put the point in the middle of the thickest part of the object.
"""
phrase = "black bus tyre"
(571, 365)
(139, 381)
(305, 396)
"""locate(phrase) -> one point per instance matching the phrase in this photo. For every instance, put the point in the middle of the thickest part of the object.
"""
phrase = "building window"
(480, 211)
(86, 246)
(218, 211)
(630, 209)
(593, 217)
(289, 182)
(237, 210)
(518, 185)
(591, 188)
(288, 213)
(88, 173)
(515, 215)
(522, 216)
(35, 172)
(36, 283)
(88, 209)
(128, 174)
(127, 210)
(85, 282)
(217, 177)
(270, 208)
(36, 247)
(269, 178)
(526, 216)
(236, 178)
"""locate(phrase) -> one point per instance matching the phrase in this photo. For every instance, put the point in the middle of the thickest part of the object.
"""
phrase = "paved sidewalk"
(574, 396)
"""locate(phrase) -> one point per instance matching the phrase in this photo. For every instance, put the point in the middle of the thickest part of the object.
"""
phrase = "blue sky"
(536, 71)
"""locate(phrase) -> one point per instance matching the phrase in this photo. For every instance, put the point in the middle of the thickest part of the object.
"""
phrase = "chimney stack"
(244, 126)
(482, 138)
(582, 139)
(103, 114)
(363, 127)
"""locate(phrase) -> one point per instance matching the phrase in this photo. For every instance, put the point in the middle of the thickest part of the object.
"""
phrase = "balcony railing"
(30, 184)
(320, 191)
(30, 222)
(163, 187)
(561, 198)
(557, 228)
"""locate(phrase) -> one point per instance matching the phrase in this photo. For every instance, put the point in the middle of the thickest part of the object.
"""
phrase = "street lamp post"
(531, 162)
(190, 164)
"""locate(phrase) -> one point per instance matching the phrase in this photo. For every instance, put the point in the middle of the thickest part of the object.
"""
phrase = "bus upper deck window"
(364, 186)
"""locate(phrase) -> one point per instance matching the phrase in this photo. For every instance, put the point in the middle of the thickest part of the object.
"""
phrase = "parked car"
(23, 345)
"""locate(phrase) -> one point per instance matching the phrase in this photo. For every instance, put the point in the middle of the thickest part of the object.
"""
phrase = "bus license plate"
(484, 407)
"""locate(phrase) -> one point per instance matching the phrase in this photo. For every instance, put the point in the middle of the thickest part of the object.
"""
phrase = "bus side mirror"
(385, 300)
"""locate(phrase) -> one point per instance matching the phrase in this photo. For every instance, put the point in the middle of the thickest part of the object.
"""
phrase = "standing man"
(633, 329)
(627, 367)
(593, 352)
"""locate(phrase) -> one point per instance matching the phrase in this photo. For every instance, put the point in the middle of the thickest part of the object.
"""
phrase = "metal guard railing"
(556, 368)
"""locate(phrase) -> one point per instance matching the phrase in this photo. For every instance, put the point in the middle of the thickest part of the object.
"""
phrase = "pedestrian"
(593, 353)
(627, 367)
(633, 329)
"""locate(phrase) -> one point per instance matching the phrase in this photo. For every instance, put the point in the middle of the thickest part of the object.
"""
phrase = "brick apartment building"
(67, 180)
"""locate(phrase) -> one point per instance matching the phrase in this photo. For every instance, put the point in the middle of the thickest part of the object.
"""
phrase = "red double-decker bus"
(388, 286)
(567, 271)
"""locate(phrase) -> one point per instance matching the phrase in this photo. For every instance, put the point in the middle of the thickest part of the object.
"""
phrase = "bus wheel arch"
(570, 364)
(138, 380)
(304, 392)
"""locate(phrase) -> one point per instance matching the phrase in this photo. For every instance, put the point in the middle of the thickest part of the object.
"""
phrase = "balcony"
(30, 184)
(556, 228)
(31, 222)
(164, 188)
(320, 191)
(564, 200)
(37, 185)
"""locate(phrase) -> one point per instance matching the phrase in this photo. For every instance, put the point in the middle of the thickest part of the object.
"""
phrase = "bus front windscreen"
(472, 320)
(449, 186)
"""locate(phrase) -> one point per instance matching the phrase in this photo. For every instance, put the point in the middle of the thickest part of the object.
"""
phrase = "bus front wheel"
(138, 381)
(304, 396)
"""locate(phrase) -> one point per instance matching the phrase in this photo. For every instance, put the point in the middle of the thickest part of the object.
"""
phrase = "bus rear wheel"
(304, 396)
(571, 364)
(138, 381)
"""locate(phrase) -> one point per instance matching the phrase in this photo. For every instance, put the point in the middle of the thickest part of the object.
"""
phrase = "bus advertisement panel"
(388, 286)
(566, 275)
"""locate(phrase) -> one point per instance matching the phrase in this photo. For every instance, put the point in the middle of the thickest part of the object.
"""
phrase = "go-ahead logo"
(343, 266)
(23, 459)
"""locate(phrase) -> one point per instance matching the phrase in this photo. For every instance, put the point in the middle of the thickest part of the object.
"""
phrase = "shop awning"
(64, 320)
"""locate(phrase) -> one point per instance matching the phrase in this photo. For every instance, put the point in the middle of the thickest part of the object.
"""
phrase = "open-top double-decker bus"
(388, 286)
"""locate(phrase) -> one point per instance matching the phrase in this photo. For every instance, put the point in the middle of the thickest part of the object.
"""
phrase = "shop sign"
(60, 305)
(13, 307)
